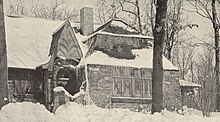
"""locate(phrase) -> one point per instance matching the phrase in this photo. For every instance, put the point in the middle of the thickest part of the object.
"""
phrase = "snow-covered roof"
(126, 35)
(187, 83)
(143, 59)
(29, 40)
(121, 24)
(122, 27)
(81, 39)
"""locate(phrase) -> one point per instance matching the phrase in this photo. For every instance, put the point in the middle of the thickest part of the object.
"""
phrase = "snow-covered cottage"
(113, 62)
(28, 43)
(36, 50)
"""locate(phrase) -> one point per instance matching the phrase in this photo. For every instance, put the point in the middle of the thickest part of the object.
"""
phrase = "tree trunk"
(159, 37)
(139, 16)
(216, 32)
(3, 61)
(172, 27)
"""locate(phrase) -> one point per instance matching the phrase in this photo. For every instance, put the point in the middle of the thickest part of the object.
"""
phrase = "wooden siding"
(21, 82)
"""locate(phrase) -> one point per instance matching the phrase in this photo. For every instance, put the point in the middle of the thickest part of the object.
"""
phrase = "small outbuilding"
(189, 93)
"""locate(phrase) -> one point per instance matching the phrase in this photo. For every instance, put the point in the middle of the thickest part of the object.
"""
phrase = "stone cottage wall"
(118, 46)
(100, 85)
(172, 91)
(104, 41)
(108, 84)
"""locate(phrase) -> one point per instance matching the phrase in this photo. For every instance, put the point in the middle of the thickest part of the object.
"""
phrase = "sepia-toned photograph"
(109, 61)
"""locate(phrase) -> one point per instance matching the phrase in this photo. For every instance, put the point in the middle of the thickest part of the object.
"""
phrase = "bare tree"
(205, 75)
(130, 11)
(173, 26)
(107, 10)
(208, 9)
(159, 37)
(57, 9)
(184, 58)
(136, 12)
(3, 61)
(17, 8)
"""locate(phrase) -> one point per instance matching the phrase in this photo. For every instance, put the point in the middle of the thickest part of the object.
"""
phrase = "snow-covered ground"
(73, 112)
(26, 112)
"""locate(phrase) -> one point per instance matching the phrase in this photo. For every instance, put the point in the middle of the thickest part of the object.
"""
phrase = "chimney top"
(86, 20)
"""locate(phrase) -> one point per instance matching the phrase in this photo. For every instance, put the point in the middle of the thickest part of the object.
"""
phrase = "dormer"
(64, 46)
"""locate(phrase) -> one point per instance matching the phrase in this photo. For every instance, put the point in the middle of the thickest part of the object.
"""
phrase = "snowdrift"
(73, 112)
(26, 112)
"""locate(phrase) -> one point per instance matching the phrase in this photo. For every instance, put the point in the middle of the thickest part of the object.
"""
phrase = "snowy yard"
(73, 112)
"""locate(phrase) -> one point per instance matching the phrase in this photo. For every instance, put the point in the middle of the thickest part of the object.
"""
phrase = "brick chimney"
(86, 21)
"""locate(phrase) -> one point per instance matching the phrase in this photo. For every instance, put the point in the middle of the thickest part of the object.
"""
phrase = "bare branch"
(58, 9)
(123, 9)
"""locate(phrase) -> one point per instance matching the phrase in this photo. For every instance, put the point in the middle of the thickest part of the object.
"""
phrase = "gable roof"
(29, 40)
(143, 59)
(117, 26)
(65, 43)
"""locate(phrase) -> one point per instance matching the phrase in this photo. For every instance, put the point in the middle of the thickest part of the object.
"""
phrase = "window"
(127, 82)
(127, 87)
(147, 87)
(23, 87)
(138, 88)
(117, 87)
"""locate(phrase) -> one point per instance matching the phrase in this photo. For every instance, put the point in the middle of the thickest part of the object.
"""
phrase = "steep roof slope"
(29, 40)
(117, 26)
(65, 43)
